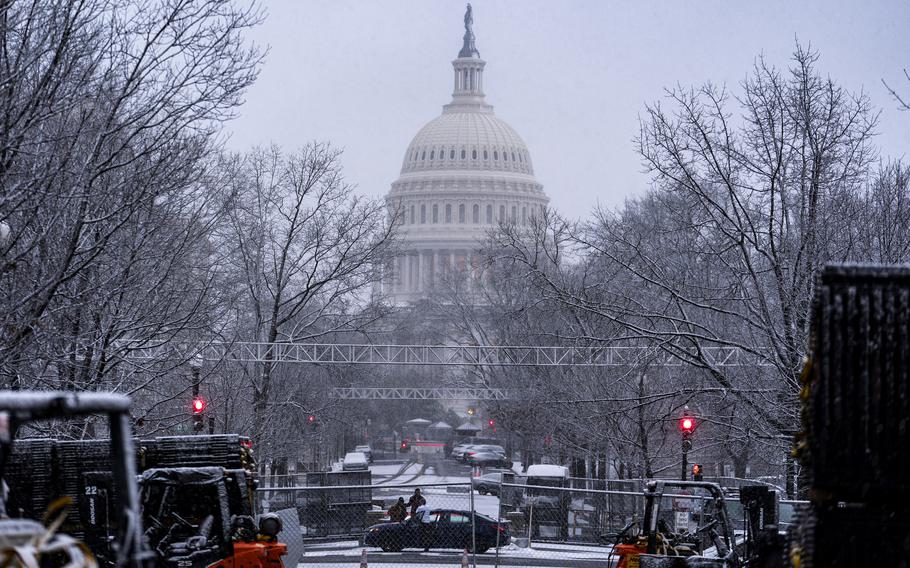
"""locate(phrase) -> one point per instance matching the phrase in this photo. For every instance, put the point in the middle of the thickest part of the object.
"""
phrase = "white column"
(421, 271)
(410, 282)
(434, 270)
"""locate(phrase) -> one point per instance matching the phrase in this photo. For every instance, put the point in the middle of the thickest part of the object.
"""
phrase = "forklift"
(194, 517)
(655, 544)
(25, 542)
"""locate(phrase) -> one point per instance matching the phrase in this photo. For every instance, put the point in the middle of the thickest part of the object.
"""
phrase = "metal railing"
(484, 355)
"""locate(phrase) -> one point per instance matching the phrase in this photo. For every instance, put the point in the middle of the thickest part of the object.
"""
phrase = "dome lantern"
(468, 69)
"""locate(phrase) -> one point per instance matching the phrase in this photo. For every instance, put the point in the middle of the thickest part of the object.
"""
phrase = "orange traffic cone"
(363, 558)
(464, 559)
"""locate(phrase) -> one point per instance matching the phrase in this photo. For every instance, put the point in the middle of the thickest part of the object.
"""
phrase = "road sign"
(682, 522)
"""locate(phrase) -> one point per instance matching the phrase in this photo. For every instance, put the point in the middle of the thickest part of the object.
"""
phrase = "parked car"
(449, 529)
(488, 459)
(490, 448)
(487, 484)
(354, 461)
(459, 450)
(366, 450)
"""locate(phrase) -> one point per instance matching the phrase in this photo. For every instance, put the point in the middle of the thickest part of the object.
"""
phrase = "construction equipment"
(656, 545)
(35, 543)
(201, 517)
(194, 497)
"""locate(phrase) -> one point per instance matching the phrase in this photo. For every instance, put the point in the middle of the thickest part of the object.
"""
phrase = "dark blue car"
(449, 529)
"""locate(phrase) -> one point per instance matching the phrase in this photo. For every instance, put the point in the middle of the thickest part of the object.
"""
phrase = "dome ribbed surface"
(472, 140)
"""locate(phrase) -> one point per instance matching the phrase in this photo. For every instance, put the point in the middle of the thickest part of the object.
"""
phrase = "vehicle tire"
(482, 491)
(388, 546)
(482, 548)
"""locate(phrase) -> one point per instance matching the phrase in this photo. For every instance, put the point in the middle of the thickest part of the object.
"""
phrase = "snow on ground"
(537, 551)
(390, 469)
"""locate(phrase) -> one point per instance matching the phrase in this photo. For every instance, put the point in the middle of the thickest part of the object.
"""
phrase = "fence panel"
(516, 525)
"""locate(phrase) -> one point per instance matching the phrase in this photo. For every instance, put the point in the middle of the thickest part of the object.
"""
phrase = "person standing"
(426, 526)
(398, 511)
(415, 501)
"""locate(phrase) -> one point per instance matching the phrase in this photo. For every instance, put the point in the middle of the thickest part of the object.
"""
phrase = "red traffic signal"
(686, 424)
(198, 405)
(491, 422)
(311, 418)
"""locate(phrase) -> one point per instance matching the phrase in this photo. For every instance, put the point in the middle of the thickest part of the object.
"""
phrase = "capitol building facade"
(464, 173)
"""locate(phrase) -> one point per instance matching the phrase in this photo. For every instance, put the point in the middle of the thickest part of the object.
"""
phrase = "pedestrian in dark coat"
(398, 511)
(415, 501)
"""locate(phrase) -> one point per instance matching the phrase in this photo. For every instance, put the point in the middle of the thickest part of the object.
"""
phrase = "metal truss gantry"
(416, 393)
(457, 355)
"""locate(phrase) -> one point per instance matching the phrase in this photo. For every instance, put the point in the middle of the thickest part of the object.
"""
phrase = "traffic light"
(198, 406)
(687, 425)
(491, 422)
(696, 472)
(311, 421)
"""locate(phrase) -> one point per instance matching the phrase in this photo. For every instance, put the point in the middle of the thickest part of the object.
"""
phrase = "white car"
(355, 461)
(492, 448)
(459, 451)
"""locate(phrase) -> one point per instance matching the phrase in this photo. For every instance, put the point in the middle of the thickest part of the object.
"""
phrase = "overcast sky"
(572, 77)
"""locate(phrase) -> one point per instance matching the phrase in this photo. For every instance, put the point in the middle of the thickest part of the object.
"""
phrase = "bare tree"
(747, 204)
(110, 111)
(305, 251)
(902, 102)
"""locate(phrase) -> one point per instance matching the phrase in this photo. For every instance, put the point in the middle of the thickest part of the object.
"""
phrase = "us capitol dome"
(464, 173)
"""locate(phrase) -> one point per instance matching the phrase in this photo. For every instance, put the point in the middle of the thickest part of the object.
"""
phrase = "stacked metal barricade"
(856, 418)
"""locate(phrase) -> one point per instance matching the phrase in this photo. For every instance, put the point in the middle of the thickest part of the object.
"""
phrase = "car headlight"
(374, 529)
(270, 525)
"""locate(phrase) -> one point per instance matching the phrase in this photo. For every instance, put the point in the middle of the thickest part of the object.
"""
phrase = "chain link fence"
(346, 517)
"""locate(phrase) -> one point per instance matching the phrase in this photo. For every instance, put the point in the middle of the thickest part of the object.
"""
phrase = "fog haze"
(571, 77)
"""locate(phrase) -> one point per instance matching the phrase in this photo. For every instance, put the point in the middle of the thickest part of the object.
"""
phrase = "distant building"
(463, 173)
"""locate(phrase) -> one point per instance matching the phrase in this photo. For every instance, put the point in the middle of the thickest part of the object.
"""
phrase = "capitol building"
(464, 173)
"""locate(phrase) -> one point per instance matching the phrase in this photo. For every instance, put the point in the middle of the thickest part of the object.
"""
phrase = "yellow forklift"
(658, 543)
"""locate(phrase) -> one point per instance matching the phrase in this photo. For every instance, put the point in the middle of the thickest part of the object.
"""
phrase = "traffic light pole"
(686, 426)
(686, 446)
